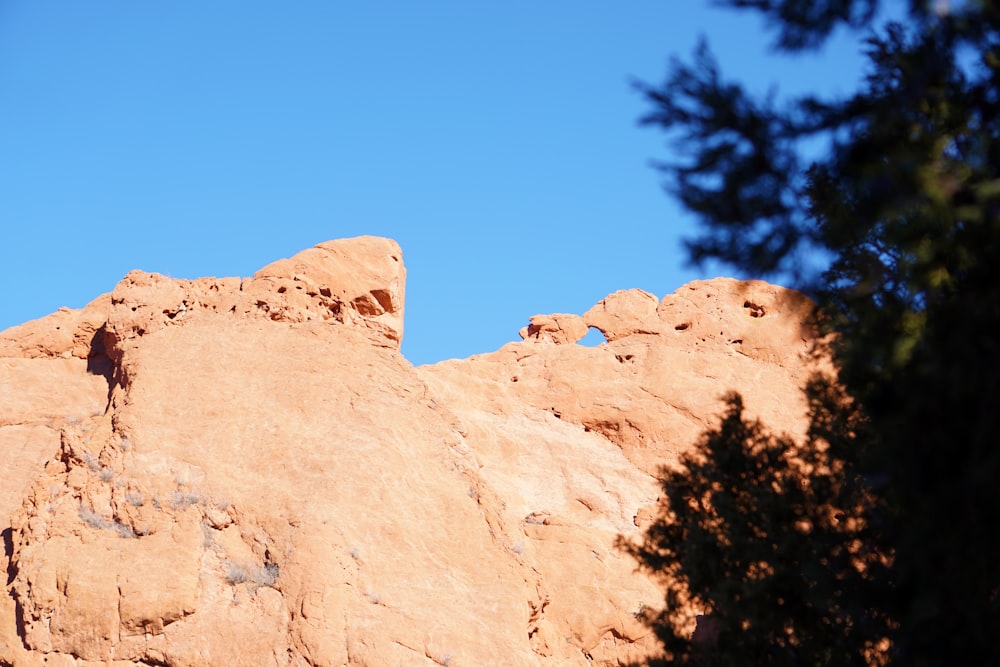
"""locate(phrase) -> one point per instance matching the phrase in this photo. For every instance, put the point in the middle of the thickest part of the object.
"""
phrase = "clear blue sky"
(496, 142)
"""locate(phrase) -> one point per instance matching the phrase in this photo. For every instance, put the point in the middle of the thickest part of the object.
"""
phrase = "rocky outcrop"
(227, 471)
(556, 328)
(359, 282)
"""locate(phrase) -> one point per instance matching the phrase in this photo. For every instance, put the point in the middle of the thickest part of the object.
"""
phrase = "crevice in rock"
(8, 552)
(98, 360)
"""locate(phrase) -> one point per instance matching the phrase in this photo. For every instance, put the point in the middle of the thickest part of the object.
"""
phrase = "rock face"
(226, 471)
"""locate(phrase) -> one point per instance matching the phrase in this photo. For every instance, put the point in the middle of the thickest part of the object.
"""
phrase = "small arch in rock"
(593, 338)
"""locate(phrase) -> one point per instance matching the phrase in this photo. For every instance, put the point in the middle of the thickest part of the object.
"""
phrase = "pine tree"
(905, 207)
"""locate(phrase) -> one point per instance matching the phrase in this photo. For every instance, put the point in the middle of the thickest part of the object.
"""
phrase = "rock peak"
(359, 281)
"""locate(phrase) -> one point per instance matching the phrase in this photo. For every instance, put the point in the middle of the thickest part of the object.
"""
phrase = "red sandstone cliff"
(226, 471)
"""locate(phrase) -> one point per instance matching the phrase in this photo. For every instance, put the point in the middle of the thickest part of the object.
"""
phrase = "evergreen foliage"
(904, 204)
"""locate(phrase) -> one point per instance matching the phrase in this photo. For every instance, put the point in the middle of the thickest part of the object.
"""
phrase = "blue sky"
(498, 143)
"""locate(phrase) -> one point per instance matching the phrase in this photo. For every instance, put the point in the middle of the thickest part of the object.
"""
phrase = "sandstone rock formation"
(226, 471)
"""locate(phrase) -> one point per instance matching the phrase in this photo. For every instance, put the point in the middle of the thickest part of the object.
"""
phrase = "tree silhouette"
(905, 206)
(772, 540)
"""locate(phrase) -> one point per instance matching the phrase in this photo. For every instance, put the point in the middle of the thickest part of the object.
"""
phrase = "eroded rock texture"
(226, 471)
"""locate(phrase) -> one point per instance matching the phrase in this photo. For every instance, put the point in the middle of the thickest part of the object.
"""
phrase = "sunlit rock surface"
(227, 471)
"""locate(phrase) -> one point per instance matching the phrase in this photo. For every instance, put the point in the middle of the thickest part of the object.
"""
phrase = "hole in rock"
(593, 338)
(682, 327)
(384, 298)
(756, 310)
